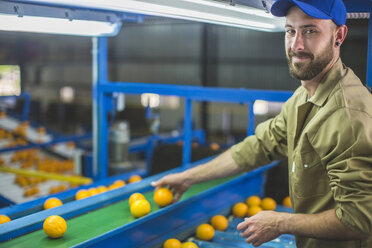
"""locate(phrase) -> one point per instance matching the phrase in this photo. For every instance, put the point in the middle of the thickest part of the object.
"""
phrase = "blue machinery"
(188, 213)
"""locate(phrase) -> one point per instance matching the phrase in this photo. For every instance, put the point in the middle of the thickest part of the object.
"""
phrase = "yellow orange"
(4, 219)
(52, 203)
(219, 222)
(101, 189)
(287, 202)
(81, 194)
(135, 197)
(205, 232)
(252, 210)
(93, 191)
(54, 226)
(240, 210)
(113, 186)
(120, 183)
(172, 243)
(134, 178)
(140, 208)
(214, 146)
(189, 245)
(163, 197)
(268, 203)
(253, 201)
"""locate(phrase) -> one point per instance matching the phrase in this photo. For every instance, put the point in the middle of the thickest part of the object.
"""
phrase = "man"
(325, 130)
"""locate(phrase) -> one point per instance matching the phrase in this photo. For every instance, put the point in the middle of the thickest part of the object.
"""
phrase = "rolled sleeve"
(350, 174)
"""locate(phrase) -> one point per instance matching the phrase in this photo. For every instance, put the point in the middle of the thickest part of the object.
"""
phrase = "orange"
(134, 178)
(172, 243)
(163, 197)
(101, 189)
(140, 208)
(119, 183)
(240, 210)
(93, 191)
(52, 203)
(205, 232)
(113, 186)
(135, 197)
(55, 226)
(253, 201)
(287, 202)
(4, 219)
(214, 146)
(254, 210)
(81, 194)
(219, 222)
(189, 245)
(268, 203)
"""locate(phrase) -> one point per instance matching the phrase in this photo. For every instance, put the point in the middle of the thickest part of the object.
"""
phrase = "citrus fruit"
(214, 146)
(52, 203)
(268, 203)
(93, 191)
(101, 189)
(189, 245)
(172, 243)
(205, 232)
(253, 201)
(252, 210)
(120, 183)
(135, 197)
(240, 210)
(81, 194)
(287, 202)
(163, 197)
(140, 208)
(113, 186)
(219, 222)
(134, 178)
(4, 219)
(54, 226)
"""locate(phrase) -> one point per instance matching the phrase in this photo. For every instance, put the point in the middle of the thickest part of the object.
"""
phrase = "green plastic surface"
(96, 222)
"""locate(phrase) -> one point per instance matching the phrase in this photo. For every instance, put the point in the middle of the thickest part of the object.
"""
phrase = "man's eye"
(290, 31)
(309, 31)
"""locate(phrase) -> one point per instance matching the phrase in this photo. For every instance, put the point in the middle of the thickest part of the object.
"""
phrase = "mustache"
(300, 54)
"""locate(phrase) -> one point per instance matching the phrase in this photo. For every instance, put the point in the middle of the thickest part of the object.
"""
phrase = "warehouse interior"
(56, 72)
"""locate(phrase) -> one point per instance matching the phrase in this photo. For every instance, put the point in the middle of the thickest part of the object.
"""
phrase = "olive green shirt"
(328, 142)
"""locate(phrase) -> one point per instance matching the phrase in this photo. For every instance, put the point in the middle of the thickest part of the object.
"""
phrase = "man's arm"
(268, 225)
(221, 166)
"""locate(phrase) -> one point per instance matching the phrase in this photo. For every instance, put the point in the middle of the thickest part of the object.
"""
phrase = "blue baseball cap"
(321, 9)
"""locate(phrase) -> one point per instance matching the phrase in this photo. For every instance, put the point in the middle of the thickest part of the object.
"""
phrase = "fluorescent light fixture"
(208, 11)
(57, 26)
(24, 17)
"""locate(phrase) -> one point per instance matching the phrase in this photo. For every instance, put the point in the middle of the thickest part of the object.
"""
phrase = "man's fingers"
(242, 225)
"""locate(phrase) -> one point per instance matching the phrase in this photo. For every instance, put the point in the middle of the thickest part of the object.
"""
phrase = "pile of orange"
(163, 197)
(52, 203)
(54, 226)
(138, 205)
(205, 232)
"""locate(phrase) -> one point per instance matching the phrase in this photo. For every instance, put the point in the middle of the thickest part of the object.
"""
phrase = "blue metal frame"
(26, 106)
(369, 55)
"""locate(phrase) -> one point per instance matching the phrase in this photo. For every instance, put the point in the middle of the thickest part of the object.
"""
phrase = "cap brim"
(281, 7)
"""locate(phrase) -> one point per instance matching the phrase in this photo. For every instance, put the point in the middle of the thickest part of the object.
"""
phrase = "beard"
(307, 71)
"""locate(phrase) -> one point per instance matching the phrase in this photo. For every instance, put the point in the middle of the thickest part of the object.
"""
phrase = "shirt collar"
(327, 84)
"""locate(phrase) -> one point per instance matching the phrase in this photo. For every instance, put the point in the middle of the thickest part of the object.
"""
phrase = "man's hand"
(177, 183)
(260, 228)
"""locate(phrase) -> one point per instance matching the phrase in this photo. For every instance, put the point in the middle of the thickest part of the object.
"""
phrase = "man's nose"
(297, 43)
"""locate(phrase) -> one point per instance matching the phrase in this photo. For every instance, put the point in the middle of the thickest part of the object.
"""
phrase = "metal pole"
(251, 118)
(186, 157)
(100, 129)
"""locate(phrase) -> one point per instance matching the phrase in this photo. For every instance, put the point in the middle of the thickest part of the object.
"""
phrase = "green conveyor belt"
(97, 222)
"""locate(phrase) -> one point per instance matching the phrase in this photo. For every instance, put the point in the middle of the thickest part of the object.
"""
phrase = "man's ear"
(340, 35)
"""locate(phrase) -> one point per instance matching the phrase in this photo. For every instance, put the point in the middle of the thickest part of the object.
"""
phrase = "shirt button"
(305, 165)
